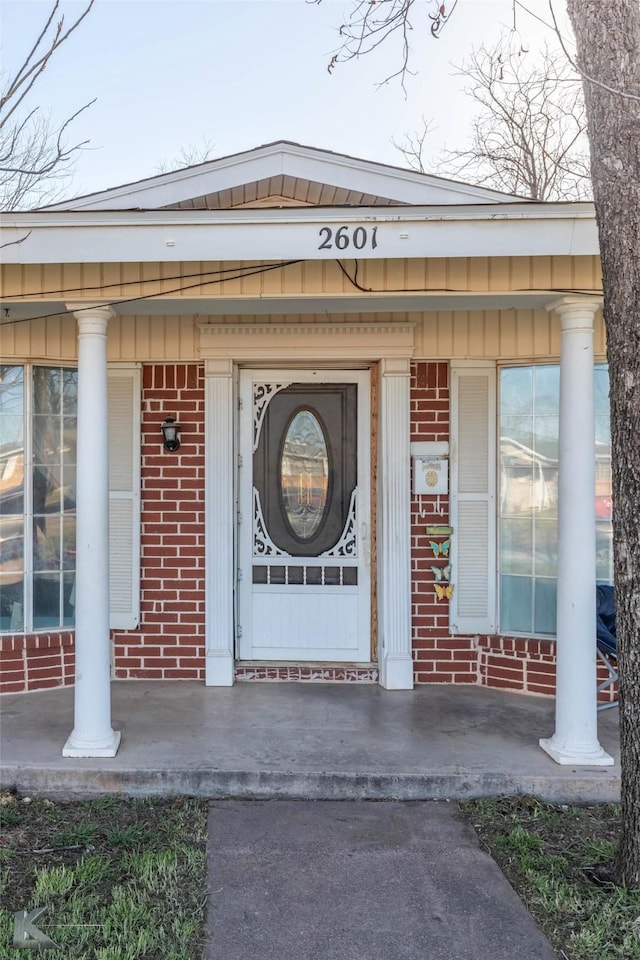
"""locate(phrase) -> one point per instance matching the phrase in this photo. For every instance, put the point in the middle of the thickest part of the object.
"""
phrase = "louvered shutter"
(124, 497)
(473, 492)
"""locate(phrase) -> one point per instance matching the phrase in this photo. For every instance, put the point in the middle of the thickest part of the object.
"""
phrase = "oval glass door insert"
(304, 474)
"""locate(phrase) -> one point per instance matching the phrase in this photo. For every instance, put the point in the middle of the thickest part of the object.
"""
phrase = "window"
(528, 494)
(37, 497)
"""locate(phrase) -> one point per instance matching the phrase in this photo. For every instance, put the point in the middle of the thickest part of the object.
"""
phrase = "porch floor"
(303, 741)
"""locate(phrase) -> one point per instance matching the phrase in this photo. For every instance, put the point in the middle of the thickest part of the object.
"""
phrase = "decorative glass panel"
(304, 474)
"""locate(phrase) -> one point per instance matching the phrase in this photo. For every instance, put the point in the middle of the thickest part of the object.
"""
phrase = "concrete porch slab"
(302, 741)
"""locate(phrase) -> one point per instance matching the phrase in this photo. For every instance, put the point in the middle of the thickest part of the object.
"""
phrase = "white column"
(219, 523)
(92, 735)
(575, 740)
(394, 554)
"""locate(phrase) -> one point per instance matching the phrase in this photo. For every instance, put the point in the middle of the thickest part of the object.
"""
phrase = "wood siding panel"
(499, 273)
(490, 335)
(54, 281)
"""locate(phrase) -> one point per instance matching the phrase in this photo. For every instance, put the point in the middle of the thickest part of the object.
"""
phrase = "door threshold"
(259, 670)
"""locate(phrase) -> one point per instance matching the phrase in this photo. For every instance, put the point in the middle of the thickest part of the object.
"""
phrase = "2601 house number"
(360, 238)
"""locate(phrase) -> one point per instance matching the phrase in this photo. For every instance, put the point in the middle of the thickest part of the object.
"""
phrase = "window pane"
(517, 431)
(70, 392)
(69, 487)
(11, 602)
(546, 547)
(545, 442)
(516, 546)
(68, 599)
(516, 604)
(46, 543)
(516, 482)
(46, 600)
(68, 543)
(545, 606)
(604, 551)
(11, 396)
(516, 390)
(547, 390)
(46, 490)
(47, 439)
(46, 390)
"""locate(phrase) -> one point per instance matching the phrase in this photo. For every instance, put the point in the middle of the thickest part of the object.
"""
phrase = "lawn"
(550, 854)
(126, 879)
(121, 879)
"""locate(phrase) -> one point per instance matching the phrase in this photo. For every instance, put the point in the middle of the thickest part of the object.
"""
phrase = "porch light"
(170, 432)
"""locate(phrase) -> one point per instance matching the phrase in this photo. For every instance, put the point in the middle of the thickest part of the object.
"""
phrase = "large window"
(37, 497)
(528, 502)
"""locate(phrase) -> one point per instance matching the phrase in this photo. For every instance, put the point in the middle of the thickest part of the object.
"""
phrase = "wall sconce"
(171, 434)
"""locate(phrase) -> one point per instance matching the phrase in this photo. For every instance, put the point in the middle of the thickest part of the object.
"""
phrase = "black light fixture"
(170, 432)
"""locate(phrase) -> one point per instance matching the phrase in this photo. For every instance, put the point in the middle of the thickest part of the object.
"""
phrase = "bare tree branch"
(529, 135)
(372, 22)
(35, 158)
(188, 156)
(414, 146)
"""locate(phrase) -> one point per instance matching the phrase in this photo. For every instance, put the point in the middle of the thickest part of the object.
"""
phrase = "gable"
(286, 174)
(282, 191)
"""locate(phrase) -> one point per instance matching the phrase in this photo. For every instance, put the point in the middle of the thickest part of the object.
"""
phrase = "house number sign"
(345, 237)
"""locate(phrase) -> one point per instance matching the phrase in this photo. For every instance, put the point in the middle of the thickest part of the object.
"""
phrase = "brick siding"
(169, 643)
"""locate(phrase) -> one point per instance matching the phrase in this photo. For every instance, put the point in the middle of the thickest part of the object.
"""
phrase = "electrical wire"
(151, 296)
(127, 283)
(248, 272)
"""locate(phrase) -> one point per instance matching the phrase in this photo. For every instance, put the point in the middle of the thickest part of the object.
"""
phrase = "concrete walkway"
(358, 881)
(302, 741)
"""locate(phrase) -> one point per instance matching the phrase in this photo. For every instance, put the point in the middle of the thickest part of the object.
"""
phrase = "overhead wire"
(239, 274)
(149, 296)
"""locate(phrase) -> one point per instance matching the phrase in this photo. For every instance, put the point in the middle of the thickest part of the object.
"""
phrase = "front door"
(304, 583)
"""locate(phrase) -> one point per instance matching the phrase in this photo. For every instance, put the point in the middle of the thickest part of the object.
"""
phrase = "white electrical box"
(430, 475)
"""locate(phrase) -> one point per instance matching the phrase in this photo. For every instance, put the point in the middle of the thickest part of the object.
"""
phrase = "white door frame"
(348, 607)
(326, 345)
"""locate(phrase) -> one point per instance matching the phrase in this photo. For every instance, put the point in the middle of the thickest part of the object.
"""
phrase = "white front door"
(304, 581)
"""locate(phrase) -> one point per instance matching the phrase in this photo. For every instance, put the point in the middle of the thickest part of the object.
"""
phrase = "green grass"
(126, 879)
(549, 853)
(121, 879)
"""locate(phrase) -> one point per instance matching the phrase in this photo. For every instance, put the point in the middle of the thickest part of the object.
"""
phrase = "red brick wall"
(170, 644)
(438, 657)
(36, 661)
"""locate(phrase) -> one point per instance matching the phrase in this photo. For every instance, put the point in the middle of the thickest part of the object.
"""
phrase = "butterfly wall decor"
(444, 591)
(441, 573)
(440, 549)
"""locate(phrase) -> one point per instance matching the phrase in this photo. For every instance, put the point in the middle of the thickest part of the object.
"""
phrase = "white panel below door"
(301, 626)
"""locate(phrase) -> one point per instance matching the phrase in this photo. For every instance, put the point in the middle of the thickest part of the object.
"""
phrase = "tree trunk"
(608, 45)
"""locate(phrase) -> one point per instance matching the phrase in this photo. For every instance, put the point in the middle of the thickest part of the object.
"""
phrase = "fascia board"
(394, 183)
(560, 230)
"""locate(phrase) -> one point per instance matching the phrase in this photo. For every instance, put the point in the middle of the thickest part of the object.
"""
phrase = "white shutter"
(473, 493)
(124, 497)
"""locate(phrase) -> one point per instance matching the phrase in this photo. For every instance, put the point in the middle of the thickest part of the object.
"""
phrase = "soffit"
(281, 191)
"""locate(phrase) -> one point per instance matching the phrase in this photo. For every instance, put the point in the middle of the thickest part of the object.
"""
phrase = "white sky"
(239, 73)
